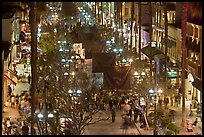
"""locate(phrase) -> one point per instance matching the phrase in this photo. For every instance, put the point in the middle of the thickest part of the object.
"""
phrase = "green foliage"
(165, 121)
(173, 128)
(169, 132)
(48, 42)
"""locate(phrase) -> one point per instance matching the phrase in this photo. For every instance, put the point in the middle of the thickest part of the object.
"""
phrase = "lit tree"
(63, 78)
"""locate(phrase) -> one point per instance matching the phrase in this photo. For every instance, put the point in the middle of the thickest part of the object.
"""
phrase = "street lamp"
(152, 92)
(42, 117)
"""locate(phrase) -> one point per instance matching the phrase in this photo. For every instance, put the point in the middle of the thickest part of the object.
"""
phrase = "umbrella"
(127, 107)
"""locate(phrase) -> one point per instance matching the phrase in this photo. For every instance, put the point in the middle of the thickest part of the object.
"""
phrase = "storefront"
(193, 87)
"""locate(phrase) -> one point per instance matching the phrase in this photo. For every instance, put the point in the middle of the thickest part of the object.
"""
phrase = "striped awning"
(10, 80)
(13, 73)
(150, 52)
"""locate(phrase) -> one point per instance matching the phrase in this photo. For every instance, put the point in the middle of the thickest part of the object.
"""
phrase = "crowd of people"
(13, 125)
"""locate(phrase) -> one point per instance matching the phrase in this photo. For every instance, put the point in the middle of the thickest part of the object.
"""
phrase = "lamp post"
(152, 92)
(45, 104)
(45, 117)
(139, 76)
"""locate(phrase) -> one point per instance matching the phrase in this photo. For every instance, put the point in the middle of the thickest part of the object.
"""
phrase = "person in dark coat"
(110, 104)
(25, 129)
(9, 90)
(195, 122)
(130, 114)
(160, 102)
(166, 102)
(29, 78)
(136, 113)
(113, 112)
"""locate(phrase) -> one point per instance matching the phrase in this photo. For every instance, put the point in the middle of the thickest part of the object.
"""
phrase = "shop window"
(126, 11)
(196, 32)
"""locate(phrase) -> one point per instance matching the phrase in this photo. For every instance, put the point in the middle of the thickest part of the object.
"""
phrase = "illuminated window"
(126, 11)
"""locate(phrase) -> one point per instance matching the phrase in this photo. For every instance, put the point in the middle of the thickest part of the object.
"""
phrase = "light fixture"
(40, 115)
(73, 73)
(115, 50)
(65, 74)
(78, 91)
(159, 91)
(143, 73)
(50, 115)
(70, 91)
(151, 91)
(136, 73)
(130, 60)
(124, 60)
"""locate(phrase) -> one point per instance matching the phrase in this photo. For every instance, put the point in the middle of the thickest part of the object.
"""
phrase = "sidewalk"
(109, 128)
(20, 86)
(183, 131)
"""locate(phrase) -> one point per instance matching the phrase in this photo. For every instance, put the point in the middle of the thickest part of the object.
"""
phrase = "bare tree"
(59, 75)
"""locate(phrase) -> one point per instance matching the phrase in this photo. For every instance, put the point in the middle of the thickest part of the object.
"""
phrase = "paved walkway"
(20, 86)
(109, 128)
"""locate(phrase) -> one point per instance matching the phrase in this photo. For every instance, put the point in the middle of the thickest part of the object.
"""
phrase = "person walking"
(166, 101)
(110, 104)
(17, 101)
(176, 100)
(8, 126)
(160, 102)
(130, 114)
(25, 129)
(9, 90)
(13, 100)
(29, 78)
(126, 123)
(195, 122)
(113, 112)
(136, 113)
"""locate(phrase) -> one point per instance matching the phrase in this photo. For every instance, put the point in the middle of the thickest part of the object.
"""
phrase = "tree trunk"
(132, 17)
(166, 39)
(121, 14)
(140, 19)
(183, 34)
(150, 37)
(33, 27)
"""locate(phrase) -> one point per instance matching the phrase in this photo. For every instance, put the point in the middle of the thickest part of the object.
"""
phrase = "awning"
(173, 74)
(170, 43)
(10, 80)
(197, 83)
(151, 50)
(13, 73)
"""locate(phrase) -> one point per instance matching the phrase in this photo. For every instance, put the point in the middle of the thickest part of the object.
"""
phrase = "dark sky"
(69, 8)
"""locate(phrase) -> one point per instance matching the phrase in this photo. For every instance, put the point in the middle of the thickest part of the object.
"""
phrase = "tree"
(52, 69)
(139, 22)
(183, 35)
(164, 121)
(33, 28)
(69, 9)
(59, 87)
(132, 19)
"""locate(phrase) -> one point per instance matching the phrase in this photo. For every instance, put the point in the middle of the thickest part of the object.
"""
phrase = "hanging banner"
(117, 78)
(102, 61)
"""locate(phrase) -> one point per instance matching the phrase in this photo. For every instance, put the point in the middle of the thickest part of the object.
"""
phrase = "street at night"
(101, 68)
